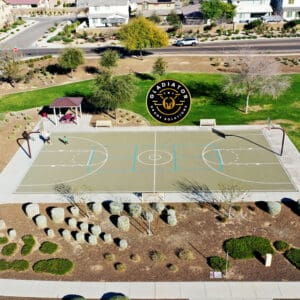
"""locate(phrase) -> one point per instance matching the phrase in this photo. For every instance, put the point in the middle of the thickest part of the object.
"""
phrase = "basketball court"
(154, 160)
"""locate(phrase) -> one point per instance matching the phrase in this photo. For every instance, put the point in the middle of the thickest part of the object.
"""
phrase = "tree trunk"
(247, 103)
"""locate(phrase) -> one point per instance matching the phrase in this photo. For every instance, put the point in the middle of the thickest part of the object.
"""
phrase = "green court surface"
(156, 161)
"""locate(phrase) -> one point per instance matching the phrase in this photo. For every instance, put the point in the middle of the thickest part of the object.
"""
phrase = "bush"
(253, 24)
(48, 247)
(293, 255)
(218, 263)
(273, 208)
(185, 254)
(3, 240)
(29, 243)
(4, 265)
(248, 247)
(19, 265)
(109, 257)
(9, 249)
(281, 246)
(117, 297)
(135, 257)
(116, 208)
(55, 266)
(173, 268)
(120, 267)
(135, 210)
(157, 256)
(123, 223)
(291, 24)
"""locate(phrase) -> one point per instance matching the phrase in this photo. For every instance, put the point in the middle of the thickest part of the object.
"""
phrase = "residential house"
(105, 12)
(291, 9)
(249, 10)
(161, 8)
(5, 12)
(28, 3)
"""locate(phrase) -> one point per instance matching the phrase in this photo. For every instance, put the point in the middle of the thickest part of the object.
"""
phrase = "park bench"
(207, 122)
(103, 123)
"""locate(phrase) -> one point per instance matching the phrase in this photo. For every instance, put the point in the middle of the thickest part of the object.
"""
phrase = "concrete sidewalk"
(153, 290)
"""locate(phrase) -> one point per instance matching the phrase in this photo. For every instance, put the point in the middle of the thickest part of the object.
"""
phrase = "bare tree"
(255, 75)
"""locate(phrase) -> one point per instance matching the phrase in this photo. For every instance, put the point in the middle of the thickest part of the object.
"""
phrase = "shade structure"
(67, 102)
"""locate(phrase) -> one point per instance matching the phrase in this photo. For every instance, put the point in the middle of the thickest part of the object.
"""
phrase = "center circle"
(152, 157)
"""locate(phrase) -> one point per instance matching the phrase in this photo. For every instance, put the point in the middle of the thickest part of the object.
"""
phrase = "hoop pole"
(283, 138)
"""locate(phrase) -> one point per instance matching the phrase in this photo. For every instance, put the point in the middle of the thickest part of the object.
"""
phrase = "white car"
(188, 41)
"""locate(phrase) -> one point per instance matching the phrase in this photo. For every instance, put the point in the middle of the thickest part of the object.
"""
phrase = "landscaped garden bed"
(187, 250)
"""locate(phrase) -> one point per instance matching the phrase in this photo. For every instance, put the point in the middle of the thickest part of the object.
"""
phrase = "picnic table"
(67, 118)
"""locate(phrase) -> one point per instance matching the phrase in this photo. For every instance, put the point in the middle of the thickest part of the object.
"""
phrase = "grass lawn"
(208, 101)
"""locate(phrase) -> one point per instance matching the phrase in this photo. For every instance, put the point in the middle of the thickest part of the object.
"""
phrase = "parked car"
(274, 18)
(188, 41)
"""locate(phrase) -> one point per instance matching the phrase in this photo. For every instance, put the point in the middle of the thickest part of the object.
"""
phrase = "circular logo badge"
(168, 101)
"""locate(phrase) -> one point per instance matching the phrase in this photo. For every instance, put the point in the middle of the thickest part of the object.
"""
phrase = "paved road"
(28, 37)
(281, 46)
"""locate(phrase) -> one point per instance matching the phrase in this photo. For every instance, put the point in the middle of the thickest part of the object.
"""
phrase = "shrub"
(157, 256)
(291, 24)
(3, 240)
(48, 247)
(55, 266)
(109, 257)
(9, 249)
(120, 267)
(158, 206)
(123, 223)
(173, 268)
(135, 210)
(116, 208)
(273, 208)
(135, 257)
(281, 246)
(253, 24)
(185, 254)
(118, 297)
(4, 265)
(172, 221)
(19, 265)
(218, 263)
(29, 243)
(293, 255)
(247, 247)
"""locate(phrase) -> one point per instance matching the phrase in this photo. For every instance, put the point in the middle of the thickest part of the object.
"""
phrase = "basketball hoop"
(270, 124)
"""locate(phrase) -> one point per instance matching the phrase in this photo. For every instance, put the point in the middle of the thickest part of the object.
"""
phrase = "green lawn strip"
(37, 98)
(208, 101)
(55, 266)
(248, 247)
(9, 249)
(48, 247)
(3, 240)
(16, 265)
(293, 255)
(29, 243)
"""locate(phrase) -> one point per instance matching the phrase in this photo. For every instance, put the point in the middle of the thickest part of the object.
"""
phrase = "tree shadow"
(291, 204)
(114, 220)
(106, 204)
(213, 92)
(91, 70)
(57, 69)
(144, 76)
(262, 205)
